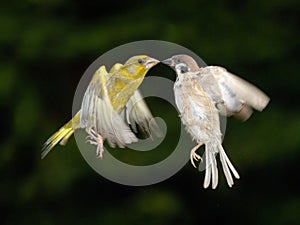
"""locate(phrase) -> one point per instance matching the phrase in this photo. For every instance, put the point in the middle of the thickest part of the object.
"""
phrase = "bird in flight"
(111, 102)
(201, 95)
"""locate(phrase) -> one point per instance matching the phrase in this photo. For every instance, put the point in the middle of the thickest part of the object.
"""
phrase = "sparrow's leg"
(194, 155)
(95, 139)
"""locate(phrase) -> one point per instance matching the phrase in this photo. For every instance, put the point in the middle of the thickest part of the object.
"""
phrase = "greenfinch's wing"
(88, 103)
(138, 114)
(115, 68)
(98, 113)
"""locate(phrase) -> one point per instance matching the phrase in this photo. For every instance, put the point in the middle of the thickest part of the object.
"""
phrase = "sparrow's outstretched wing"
(238, 95)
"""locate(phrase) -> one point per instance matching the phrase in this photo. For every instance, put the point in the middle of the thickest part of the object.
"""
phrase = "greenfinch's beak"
(150, 62)
(169, 62)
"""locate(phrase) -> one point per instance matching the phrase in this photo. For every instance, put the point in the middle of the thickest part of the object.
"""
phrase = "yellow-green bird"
(109, 103)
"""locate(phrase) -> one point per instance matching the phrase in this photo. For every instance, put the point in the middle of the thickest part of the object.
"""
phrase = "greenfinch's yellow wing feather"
(98, 112)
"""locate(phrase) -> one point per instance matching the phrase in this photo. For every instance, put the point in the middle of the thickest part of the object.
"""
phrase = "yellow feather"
(62, 135)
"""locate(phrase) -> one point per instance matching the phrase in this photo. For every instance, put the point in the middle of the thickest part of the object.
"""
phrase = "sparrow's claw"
(194, 155)
(192, 161)
(96, 139)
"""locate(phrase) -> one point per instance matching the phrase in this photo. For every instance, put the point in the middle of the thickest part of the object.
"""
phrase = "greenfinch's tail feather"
(60, 136)
(66, 138)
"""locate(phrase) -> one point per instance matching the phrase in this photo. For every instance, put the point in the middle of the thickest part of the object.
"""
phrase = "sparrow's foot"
(96, 139)
(194, 155)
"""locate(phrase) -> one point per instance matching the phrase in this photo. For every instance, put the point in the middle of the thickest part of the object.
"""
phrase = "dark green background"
(46, 47)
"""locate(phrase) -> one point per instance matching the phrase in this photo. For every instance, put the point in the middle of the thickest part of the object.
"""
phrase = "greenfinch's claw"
(96, 139)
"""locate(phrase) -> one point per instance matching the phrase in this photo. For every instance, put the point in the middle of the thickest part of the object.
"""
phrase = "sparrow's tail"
(61, 136)
(211, 169)
(211, 173)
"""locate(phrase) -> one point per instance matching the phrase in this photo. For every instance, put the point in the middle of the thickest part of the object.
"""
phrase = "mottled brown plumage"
(201, 95)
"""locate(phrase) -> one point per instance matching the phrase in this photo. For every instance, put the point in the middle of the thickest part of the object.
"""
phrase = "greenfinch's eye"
(140, 61)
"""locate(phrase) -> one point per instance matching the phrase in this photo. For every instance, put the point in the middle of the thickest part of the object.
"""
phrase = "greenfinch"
(201, 94)
(110, 103)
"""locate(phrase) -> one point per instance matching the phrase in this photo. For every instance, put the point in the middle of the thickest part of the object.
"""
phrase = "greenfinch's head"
(139, 65)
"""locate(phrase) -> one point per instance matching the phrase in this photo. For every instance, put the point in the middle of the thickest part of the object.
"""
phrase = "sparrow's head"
(182, 63)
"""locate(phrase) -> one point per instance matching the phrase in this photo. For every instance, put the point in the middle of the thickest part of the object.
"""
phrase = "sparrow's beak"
(168, 62)
(150, 62)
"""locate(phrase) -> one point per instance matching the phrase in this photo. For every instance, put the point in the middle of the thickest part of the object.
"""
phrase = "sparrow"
(110, 104)
(202, 94)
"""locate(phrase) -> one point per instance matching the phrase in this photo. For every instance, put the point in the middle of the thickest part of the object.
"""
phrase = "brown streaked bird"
(201, 95)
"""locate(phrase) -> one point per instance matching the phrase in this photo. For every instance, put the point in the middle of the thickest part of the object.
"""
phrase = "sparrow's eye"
(184, 69)
(140, 61)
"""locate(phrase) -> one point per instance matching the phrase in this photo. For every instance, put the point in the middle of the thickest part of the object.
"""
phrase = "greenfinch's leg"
(96, 139)
(194, 155)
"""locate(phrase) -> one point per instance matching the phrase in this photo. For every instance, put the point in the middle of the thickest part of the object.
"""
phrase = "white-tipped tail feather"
(211, 173)
(227, 166)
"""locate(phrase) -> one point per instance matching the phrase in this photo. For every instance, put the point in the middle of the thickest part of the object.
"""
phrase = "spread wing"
(238, 95)
(115, 68)
(136, 111)
(97, 113)
(138, 114)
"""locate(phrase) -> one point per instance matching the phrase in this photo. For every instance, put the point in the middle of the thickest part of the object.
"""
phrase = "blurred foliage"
(47, 45)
